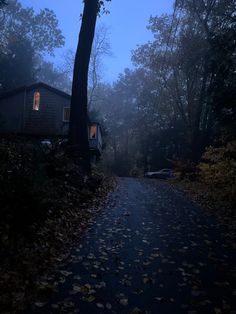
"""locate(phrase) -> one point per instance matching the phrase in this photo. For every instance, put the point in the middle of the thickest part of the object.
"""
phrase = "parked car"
(161, 174)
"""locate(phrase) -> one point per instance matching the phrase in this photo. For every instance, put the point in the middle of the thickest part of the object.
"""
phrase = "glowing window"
(93, 132)
(36, 101)
(66, 114)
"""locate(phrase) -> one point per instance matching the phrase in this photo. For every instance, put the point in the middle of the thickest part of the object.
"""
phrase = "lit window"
(66, 114)
(36, 101)
(93, 132)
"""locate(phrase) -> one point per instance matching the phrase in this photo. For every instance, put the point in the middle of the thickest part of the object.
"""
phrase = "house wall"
(17, 115)
(48, 120)
(11, 113)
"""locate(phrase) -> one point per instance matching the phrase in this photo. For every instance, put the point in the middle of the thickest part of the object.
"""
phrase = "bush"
(136, 172)
(36, 179)
(218, 172)
(27, 187)
(186, 170)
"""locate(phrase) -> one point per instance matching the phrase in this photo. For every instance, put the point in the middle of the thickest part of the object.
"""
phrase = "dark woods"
(180, 98)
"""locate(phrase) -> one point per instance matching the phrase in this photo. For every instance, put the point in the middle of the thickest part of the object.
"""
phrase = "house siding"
(18, 116)
(48, 119)
(11, 113)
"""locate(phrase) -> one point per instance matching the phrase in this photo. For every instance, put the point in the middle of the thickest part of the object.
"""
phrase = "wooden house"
(43, 111)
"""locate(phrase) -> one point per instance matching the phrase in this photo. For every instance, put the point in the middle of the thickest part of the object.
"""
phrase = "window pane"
(36, 101)
(66, 114)
(93, 132)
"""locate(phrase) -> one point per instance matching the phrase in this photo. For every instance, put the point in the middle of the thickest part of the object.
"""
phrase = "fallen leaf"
(124, 302)
(100, 305)
(108, 306)
(40, 304)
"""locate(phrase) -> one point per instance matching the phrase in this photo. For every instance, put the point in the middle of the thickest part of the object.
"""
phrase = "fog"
(165, 107)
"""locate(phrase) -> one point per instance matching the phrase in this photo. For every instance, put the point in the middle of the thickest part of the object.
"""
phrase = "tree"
(188, 58)
(176, 60)
(17, 66)
(25, 37)
(2, 3)
(78, 126)
(215, 19)
(53, 76)
(181, 93)
(100, 48)
(41, 29)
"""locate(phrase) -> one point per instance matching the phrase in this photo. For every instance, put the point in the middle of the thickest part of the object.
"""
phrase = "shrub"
(136, 172)
(186, 170)
(26, 186)
(218, 172)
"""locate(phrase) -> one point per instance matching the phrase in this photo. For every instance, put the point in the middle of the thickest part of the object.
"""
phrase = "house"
(43, 111)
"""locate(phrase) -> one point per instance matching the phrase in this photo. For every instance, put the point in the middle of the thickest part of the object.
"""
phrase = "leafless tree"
(101, 48)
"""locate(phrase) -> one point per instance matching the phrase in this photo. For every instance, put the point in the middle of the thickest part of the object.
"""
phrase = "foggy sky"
(127, 22)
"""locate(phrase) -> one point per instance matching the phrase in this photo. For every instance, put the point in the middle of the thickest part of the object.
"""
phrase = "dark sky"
(127, 22)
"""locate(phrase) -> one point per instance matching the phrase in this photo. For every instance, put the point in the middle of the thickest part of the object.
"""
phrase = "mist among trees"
(178, 99)
(180, 96)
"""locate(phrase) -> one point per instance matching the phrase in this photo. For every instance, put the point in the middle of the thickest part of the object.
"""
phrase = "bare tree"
(101, 47)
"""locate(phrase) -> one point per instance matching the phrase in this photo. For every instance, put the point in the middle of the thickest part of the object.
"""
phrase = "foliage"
(25, 37)
(218, 172)
(34, 178)
(180, 96)
(101, 6)
(2, 3)
(40, 29)
(53, 76)
(186, 170)
(46, 204)
(18, 65)
(27, 189)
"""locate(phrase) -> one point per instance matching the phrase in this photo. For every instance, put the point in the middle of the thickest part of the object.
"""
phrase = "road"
(150, 251)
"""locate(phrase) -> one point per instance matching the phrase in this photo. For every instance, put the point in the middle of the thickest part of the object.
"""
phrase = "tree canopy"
(181, 93)
(26, 37)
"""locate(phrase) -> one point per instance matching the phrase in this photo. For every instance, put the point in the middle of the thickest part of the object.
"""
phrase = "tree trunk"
(78, 126)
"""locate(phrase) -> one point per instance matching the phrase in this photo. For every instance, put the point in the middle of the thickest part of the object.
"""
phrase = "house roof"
(33, 86)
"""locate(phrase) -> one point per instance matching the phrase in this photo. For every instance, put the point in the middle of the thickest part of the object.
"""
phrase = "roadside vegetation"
(212, 183)
(46, 203)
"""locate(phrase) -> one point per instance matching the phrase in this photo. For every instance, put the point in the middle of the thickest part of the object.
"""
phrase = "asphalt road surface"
(150, 251)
